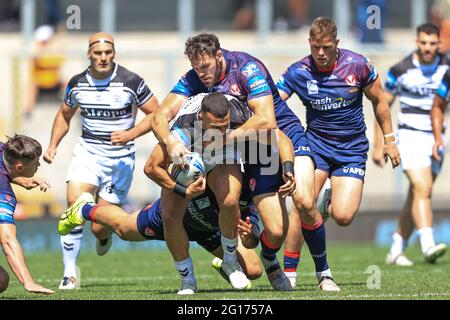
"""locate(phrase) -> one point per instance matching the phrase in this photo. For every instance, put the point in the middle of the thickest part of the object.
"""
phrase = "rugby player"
(330, 83)
(103, 161)
(415, 80)
(214, 111)
(19, 161)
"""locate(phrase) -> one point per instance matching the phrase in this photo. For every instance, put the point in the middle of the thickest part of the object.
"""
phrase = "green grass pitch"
(140, 274)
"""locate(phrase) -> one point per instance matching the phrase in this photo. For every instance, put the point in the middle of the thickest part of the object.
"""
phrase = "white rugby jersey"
(107, 105)
(416, 85)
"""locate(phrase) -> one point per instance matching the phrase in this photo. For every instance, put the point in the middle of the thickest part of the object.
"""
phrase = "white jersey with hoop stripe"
(107, 105)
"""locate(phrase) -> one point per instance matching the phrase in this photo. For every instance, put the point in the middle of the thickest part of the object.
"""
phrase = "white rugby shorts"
(112, 176)
(416, 150)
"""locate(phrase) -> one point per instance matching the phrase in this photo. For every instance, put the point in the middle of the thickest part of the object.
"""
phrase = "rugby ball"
(195, 169)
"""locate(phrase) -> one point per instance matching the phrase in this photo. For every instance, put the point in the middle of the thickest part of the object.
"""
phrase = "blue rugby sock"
(268, 252)
(86, 211)
(315, 238)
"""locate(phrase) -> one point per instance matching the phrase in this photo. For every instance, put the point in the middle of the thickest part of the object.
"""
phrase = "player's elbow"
(148, 168)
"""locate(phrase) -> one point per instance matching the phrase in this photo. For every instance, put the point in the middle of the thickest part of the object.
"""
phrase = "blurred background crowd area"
(44, 43)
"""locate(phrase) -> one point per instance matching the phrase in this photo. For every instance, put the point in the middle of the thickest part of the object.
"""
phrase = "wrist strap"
(180, 190)
(389, 138)
(288, 166)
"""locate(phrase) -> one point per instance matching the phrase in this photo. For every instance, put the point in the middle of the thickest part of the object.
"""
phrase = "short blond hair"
(323, 27)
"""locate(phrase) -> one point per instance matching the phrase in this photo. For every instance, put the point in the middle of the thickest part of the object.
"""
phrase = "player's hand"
(121, 137)
(196, 188)
(33, 182)
(438, 149)
(244, 228)
(49, 155)
(288, 188)
(177, 152)
(391, 151)
(36, 288)
(378, 156)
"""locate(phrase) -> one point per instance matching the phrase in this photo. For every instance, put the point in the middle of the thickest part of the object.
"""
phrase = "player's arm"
(287, 161)
(160, 124)
(391, 90)
(263, 117)
(375, 93)
(437, 114)
(378, 141)
(124, 136)
(437, 122)
(14, 255)
(60, 128)
(156, 169)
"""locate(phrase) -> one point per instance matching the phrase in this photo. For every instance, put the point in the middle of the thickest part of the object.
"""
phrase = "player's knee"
(422, 190)
(275, 234)
(254, 271)
(304, 203)
(343, 220)
(4, 279)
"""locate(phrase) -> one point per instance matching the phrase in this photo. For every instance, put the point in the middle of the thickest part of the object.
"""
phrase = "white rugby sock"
(426, 239)
(71, 245)
(229, 247)
(398, 245)
(186, 270)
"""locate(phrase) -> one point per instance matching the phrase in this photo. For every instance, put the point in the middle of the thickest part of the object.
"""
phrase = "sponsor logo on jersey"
(5, 211)
(249, 69)
(325, 104)
(312, 87)
(203, 203)
(105, 113)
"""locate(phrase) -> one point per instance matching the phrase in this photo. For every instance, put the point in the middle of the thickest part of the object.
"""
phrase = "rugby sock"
(315, 238)
(291, 260)
(71, 245)
(229, 247)
(398, 245)
(186, 270)
(268, 252)
(88, 211)
(426, 239)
